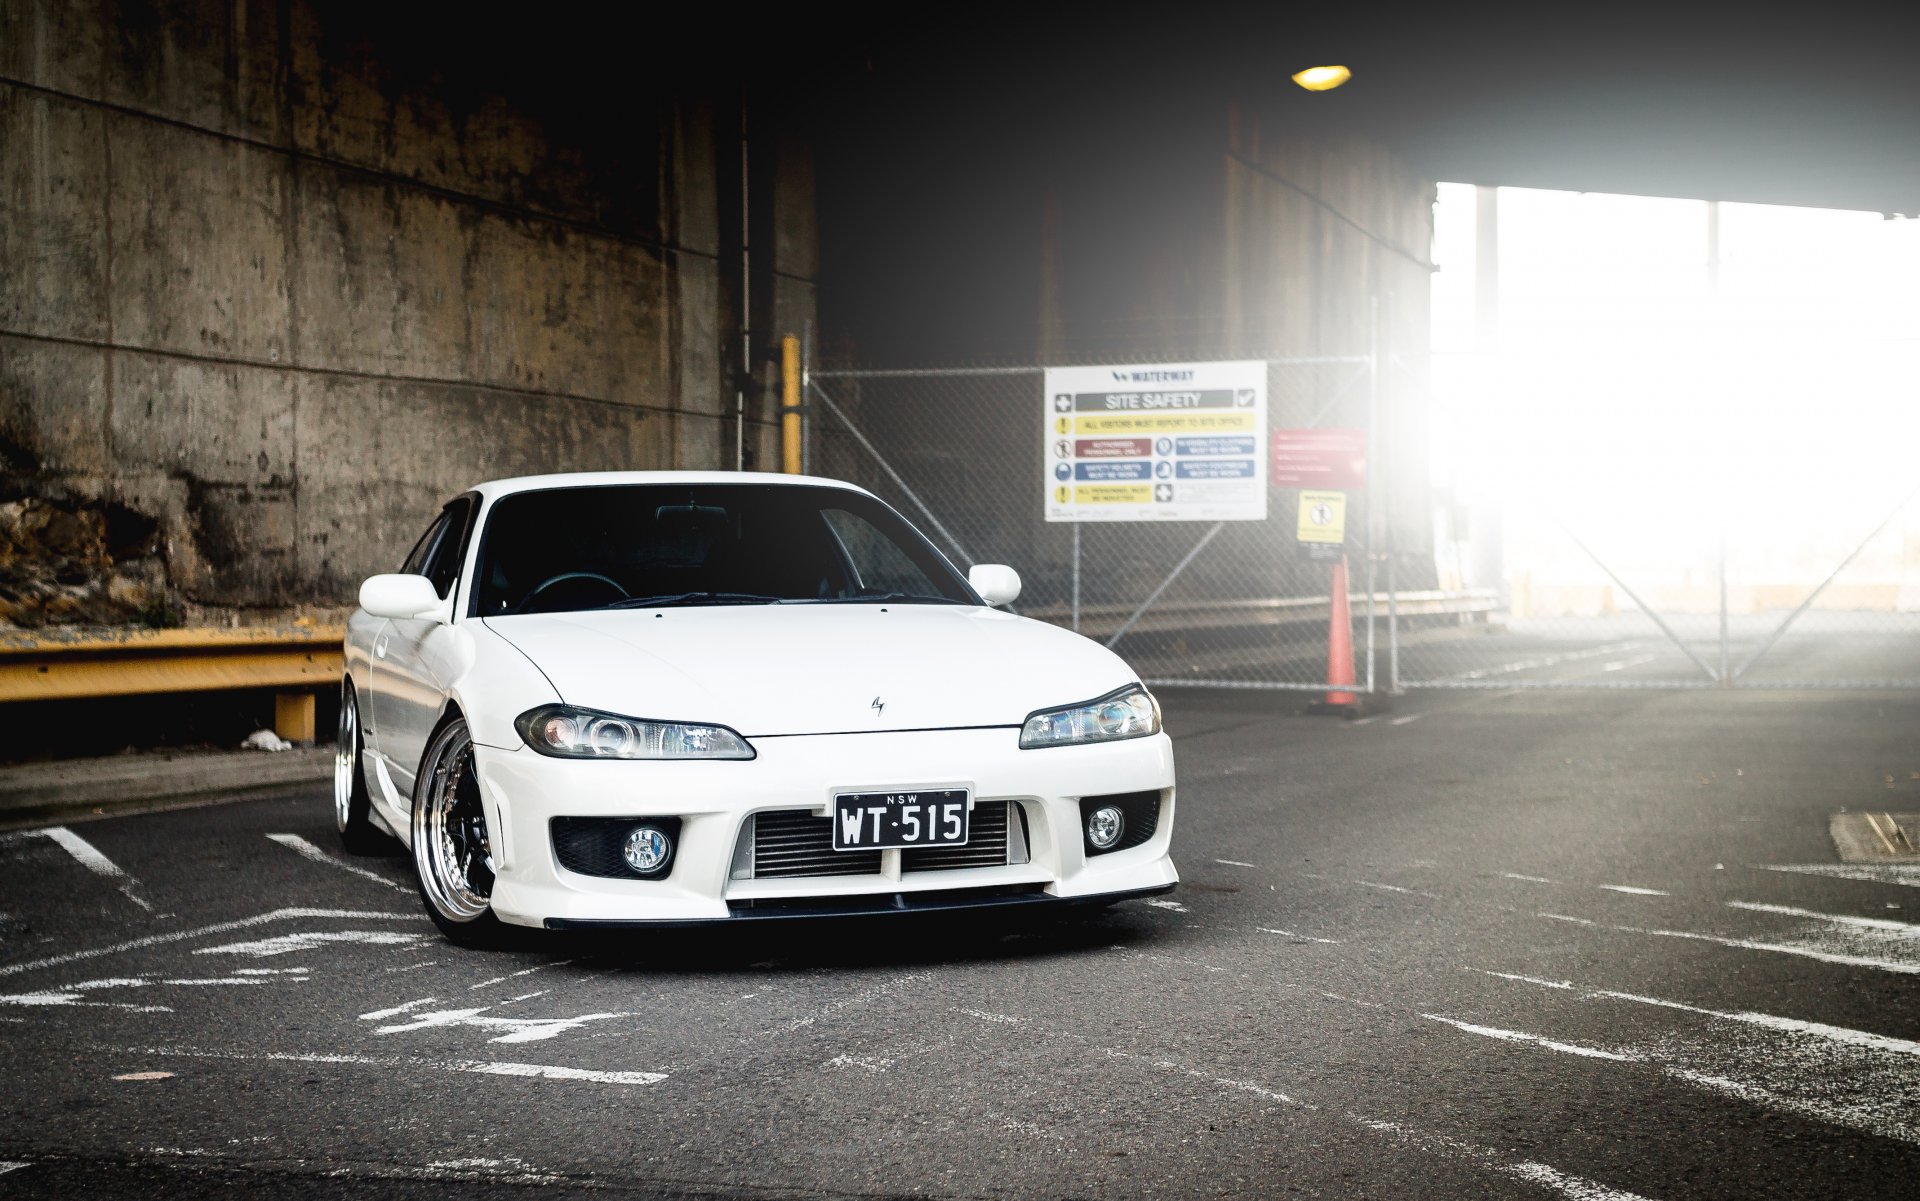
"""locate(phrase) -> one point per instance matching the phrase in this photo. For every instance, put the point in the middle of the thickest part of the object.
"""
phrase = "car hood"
(770, 670)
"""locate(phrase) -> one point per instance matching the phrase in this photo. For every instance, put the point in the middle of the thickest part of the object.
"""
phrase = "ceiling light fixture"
(1322, 79)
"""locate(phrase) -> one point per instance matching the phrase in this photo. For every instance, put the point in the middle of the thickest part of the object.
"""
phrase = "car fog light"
(1104, 826)
(647, 849)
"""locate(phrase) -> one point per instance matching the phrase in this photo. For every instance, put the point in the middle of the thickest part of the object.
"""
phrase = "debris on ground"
(265, 740)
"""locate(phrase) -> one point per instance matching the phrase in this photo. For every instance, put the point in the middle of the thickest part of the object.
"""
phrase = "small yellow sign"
(1323, 517)
(1113, 494)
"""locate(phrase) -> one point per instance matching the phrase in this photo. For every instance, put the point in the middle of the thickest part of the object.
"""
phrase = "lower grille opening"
(592, 846)
(794, 842)
(1140, 809)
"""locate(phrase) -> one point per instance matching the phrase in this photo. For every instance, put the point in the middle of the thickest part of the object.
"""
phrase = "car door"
(411, 655)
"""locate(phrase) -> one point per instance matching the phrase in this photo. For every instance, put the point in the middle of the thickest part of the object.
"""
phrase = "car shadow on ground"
(890, 941)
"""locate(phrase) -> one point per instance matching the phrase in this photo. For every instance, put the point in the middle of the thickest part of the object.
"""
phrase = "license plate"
(869, 821)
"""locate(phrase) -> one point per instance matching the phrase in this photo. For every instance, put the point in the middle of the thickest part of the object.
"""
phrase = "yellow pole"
(790, 405)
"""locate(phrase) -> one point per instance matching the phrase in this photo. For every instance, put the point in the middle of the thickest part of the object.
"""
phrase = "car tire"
(452, 861)
(352, 803)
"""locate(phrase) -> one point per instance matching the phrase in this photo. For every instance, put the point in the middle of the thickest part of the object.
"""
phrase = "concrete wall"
(286, 283)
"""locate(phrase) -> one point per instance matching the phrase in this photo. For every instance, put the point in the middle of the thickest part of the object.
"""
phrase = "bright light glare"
(1322, 79)
(1631, 400)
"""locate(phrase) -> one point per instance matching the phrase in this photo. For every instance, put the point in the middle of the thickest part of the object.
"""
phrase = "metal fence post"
(1076, 577)
(1373, 468)
(1382, 350)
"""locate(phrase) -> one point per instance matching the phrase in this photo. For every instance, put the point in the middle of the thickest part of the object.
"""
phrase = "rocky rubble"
(82, 562)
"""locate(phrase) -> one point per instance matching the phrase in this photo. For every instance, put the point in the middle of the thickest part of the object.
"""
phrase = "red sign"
(1113, 448)
(1335, 460)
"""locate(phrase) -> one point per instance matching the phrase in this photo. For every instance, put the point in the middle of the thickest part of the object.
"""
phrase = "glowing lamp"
(1322, 79)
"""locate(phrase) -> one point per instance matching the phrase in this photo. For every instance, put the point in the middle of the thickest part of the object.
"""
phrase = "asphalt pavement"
(1510, 943)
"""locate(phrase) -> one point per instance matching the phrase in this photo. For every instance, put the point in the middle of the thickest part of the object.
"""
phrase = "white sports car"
(647, 698)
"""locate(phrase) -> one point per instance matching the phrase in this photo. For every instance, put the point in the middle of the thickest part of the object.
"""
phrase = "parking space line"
(1747, 944)
(89, 857)
(1838, 1034)
(1574, 1188)
(1631, 890)
(1864, 923)
(307, 850)
(533, 1071)
(1518, 1036)
(151, 940)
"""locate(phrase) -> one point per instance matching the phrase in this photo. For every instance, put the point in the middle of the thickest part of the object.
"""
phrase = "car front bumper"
(523, 791)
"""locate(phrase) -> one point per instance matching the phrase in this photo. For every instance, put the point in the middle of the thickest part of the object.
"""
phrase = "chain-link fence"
(1551, 577)
(1231, 603)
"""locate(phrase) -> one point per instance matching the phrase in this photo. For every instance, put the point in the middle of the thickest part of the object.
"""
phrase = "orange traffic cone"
(1340, 639)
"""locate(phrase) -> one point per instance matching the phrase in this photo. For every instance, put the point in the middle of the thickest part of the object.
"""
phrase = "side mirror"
(402, 597)
(996, 583)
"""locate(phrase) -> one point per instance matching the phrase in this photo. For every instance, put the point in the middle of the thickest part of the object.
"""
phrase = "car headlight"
(1131, 712)
(568, 732)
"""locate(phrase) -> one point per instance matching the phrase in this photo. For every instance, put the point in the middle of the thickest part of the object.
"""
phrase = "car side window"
(449, 547)
(879, 562)
(416, 561)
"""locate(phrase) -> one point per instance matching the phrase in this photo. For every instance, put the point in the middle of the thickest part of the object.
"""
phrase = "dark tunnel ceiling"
(1812, 104)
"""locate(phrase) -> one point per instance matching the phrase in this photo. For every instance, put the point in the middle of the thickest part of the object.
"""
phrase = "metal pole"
(1171, 577)
(1713, 297)
(1373, 465)
(1381, 353)
(746, 303)
(893, 475)
(1076, 577)
(1815, 594)
(806, 416)
(1635, 598)
(790, 405)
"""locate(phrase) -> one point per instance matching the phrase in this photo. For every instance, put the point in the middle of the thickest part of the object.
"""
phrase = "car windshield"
(657, 545)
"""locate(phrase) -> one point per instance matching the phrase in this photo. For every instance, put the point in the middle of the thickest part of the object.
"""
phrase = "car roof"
(495, 489)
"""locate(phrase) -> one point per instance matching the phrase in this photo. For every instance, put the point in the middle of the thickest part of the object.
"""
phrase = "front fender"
(496, 684)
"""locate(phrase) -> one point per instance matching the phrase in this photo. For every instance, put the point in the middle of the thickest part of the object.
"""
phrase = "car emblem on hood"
(877, 706)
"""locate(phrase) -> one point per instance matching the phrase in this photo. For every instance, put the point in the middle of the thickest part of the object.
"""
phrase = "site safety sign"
(1156, 442)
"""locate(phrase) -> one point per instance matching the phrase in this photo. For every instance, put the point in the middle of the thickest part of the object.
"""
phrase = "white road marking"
(1747, 944)
(1175, 906)
(1518, 1036)
(1837, 1034)
(1546, 661)
(985, 1016)
(1630, 890)
(535, 1071)
(1856, 1111)
(1413, 892)
(1623, 664)
(1876, 873)
(397, 1010)
(1290, 934)
(1528, 879)
(1235, 863)
(201, 932)
(74, 995)
(1334, 996)
(1864, 923)
(1574, 1188)
(870, 1063)
(133, 1076)
(306, 940)
(90, 858)
(487, 983)
(12, 1165)
(1364, 721)
(518, 1030)
(1409, 719)
(307, 850)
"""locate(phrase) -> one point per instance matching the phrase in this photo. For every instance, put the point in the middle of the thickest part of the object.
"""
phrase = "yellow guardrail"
(59, 664)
